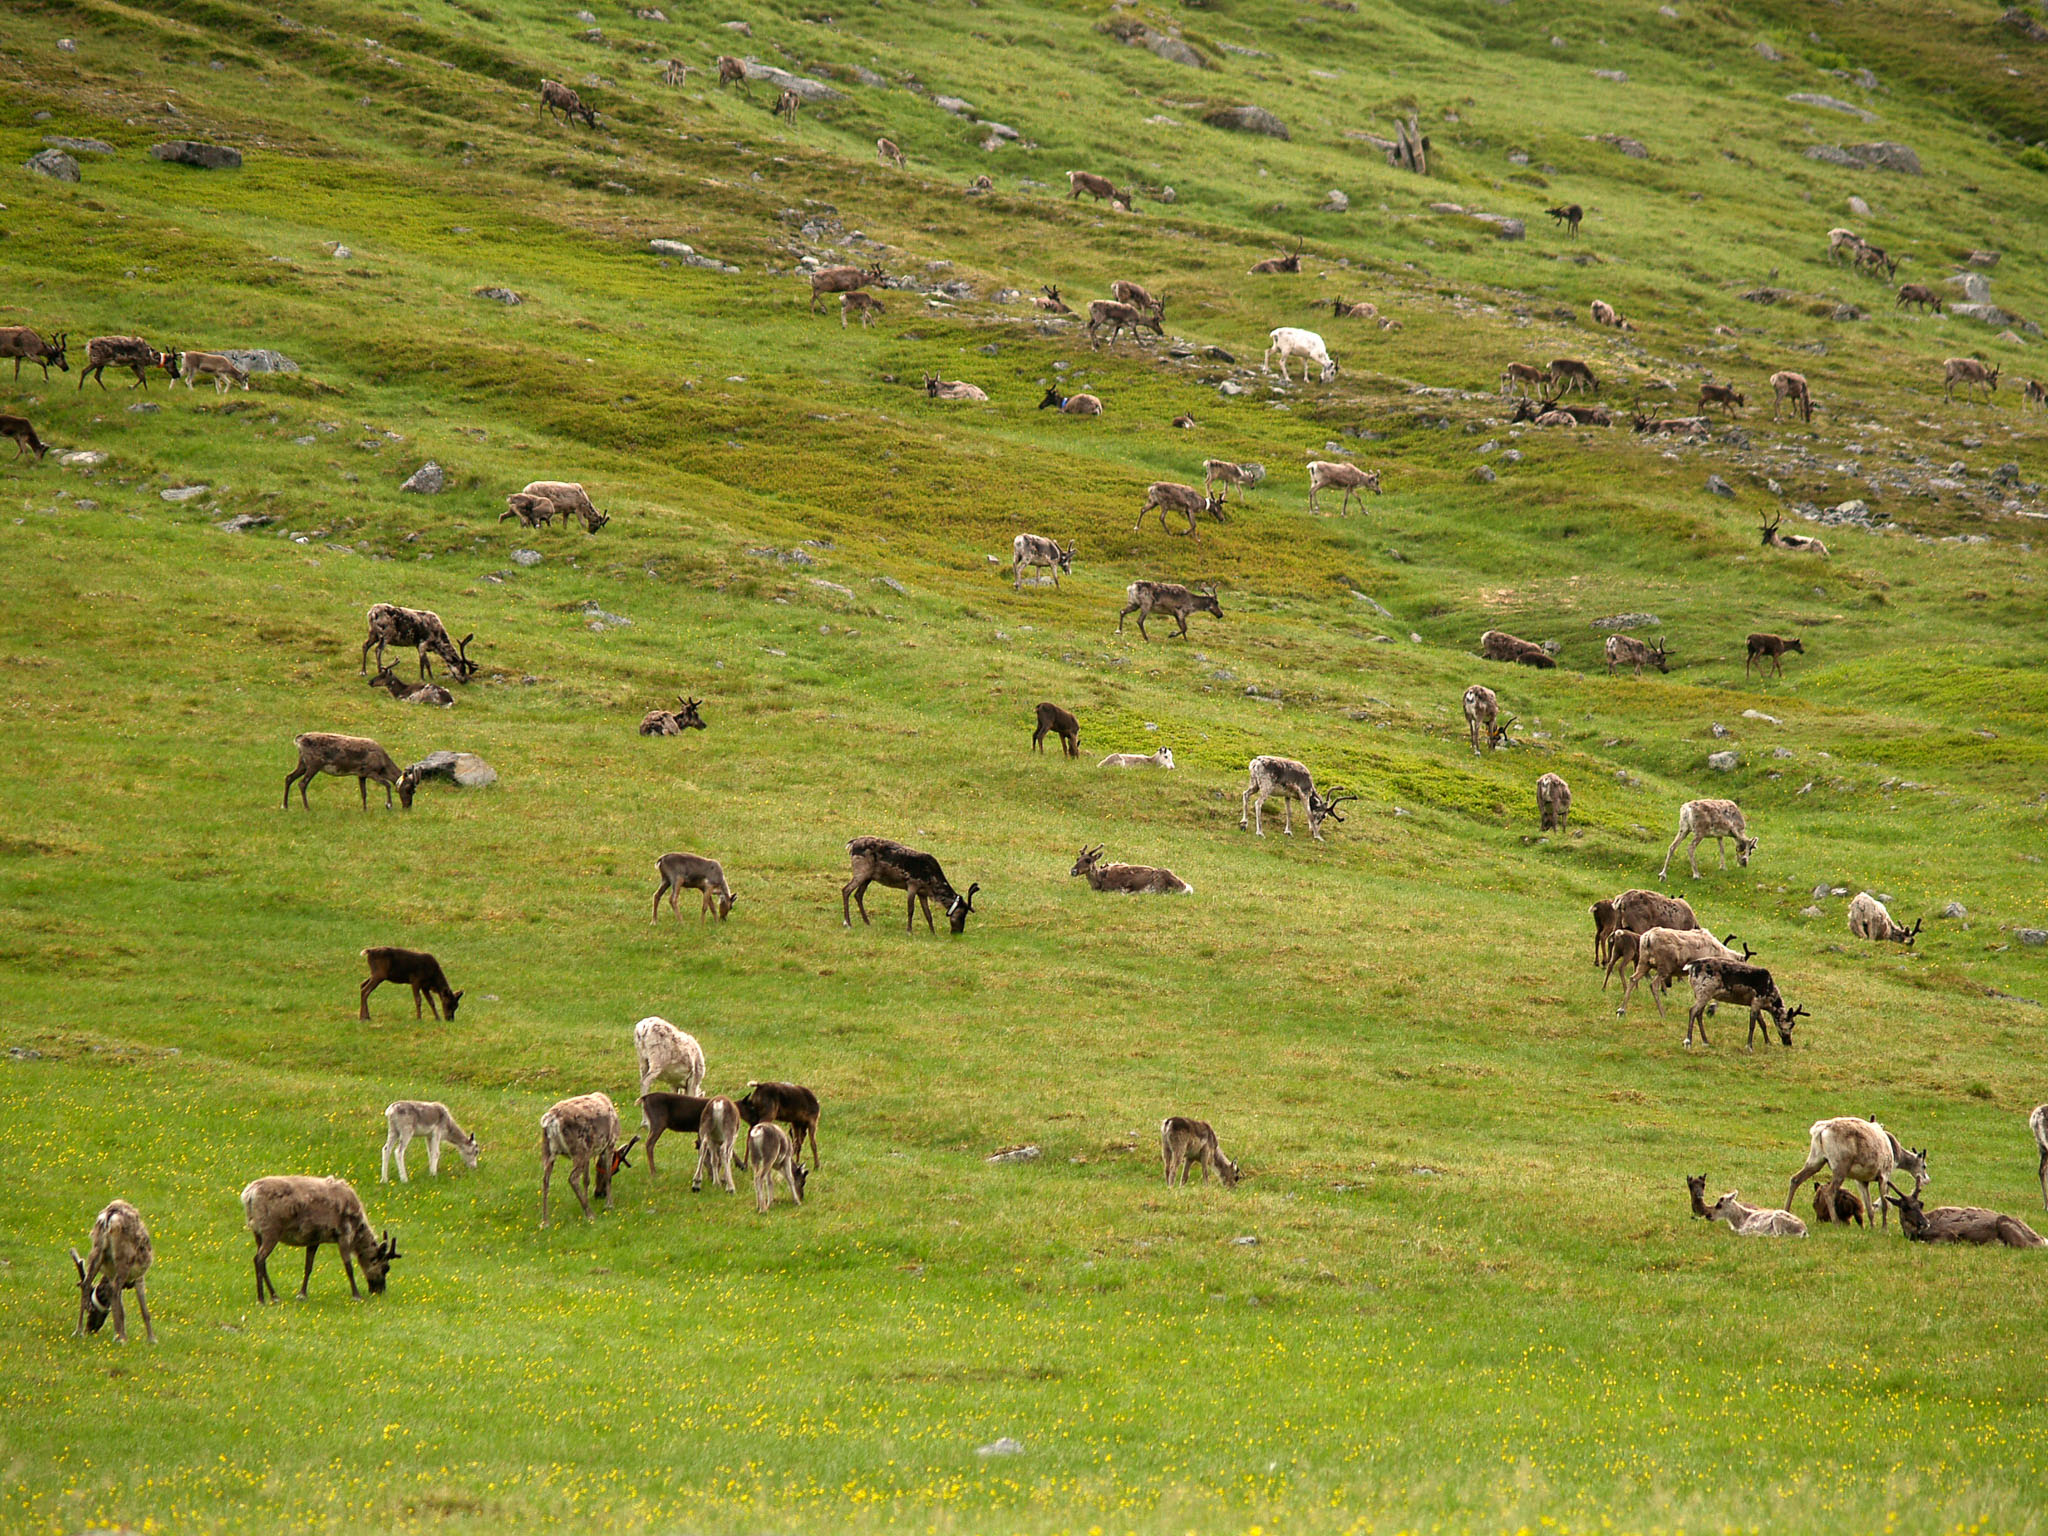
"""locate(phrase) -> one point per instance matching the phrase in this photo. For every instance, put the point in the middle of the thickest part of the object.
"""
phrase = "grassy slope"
(1529, 1329)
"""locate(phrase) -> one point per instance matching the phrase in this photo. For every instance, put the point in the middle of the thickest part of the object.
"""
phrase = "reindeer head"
(1292, 263)
(464, 667)
(452, 999)
(687, 717)
(1659, 656)
(471, 1149)
(96, 1300)
(1770, 529)
(1052, 401)
(1205, 601)
(387, 677)
(408, 786)
(1165, 756)
(1525, 411)
(799, 1176)
(378, 1261)
(1227, 1171)
(1912, 1215)
(1726, 1208)
(875, 274)
(606, 1165)
(931, 385)
(1066, 557)
(956, 914)
(1913, 1161)
(1086, 860)
(1696, 1186)
(1785, 1018)
(724, 905)
(1212, 504)
(1744, 847)
(1992, 377)
(1497, 733)
(53, 351)
(1906, 936)
(1051, 291)
(1323, 808)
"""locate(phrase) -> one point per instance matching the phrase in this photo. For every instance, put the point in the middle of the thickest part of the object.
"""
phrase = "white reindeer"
(1163, 758)
(667, 1055)
(408, 1118)
(1292, 341)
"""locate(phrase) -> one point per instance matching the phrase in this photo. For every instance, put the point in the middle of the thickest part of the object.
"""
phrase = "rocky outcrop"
(207, 157)
(1247, 119)
(53, 163)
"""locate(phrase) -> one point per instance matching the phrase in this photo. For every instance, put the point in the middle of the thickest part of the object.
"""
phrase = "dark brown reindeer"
(1280, 263)
(557, 98)
(355, 757)
(1169, 598)
(661, 1113)
(391, 625)
(1961, 1224)
(1918, 294)
(842, 280)
(1101, 188)
(1771, 648)
(388, 679)
(1727, 396)
(26, 346)
(790, 1104)
(1569, 215)
(1499, 645)
(1054, 721)
(130, 352)
(881, 860)
(410, 968)
(673, 722)
(24, 435)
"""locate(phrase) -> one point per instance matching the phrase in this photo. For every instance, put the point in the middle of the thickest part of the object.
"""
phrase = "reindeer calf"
(1182, 1141)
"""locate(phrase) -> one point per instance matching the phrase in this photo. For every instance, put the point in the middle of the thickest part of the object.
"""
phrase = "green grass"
(1475, 1301)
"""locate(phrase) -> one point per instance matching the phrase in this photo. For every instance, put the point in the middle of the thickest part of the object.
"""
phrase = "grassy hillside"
(1459, 1288)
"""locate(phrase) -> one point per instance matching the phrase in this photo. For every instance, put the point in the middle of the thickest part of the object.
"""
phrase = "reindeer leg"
(311, 1249)
(368, 987)
(142, 1305)
(1666, 870)
(663, 891)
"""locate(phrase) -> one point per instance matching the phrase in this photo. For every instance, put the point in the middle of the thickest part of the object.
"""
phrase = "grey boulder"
(53, 163)
(207, 157)
(1248, 119)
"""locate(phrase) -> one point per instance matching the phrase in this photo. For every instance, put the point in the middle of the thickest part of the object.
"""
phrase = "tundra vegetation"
(1399, 1349)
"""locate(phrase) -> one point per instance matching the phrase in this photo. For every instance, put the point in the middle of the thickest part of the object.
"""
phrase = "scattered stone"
(53, 163)
(1335, 202)
(1990, 314)
(1859, 208)
(241, 522)
(462, 768)
(1484, 474)
(1757, 714)
(501, 295)
(1003, 1447)
(185, 492)
(78, 146)
(260, 360)
(1811, 912)
(689, 256)
(1248, 119)
(1217, 355)
(83, 458)
(430, 479)
(1975, 286)
(1618, 76)
(1716, 486)
(738, 26)
(1718, 731)
(2031, 936)
(144, 408)
(1985, 259)
(894, 585)
(1781, 751)
(649, 13)
(868, 78)
(810, 92)
(1247, 1241)
(830, 586)
(207, 157)
(1767, 52)
(1230, 387)
(1633, 148)
(1832, 104)
(1882, 156)
(1628, 621)
(1024, 1154)
(1820, 892)
(1504, 227)
(1723, 762)
(23, 1053)
(526, 557)
(1955, 909)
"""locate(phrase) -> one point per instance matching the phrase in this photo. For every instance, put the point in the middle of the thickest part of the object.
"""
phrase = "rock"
(1859, 208)
(1484, 474)
(1166, 195)
(261, 360)
(894, 585)
(1767, 52)
(1248, 119)
(207, 157)
(1718, 731)
(242, 521)
(1618, 76)
(1230, 387)
(2006, 474)
(868, 78)
(1885, 156)
(1811, 912)
(430, 479)
(1174, 51)
(1633, 148)
(952, 104)
(526, 557)
(688, 255)
(1025, 1154)
(738, 26)
(1217, 355)
(501, 295)
(144, 408)
(1629, 621)
(1716, 486)
(341, 252)
(78, 146)
(1955, 909)
(185, 492)
(1974, 286)
(1781, 751)
(2014, 17)
(1335, 202)
(463, 768)
(83, 458)
(1757, 714)
(1820, 892)
(1504, 227)
(1990, 314)
(23, 1053)
(1985, 259)
(1831, 154)
(1002, 132)
(2031, 936)
(1003, 1447)
(1832, 104)
(1247, 1241)
(1723, 762)
(53, 163)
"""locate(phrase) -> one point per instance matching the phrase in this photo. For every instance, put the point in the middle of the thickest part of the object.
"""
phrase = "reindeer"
(121, 1256)
(952, 389)
(1274, 264)
(1569, 215)
(1840, 240)
(1718, 819)
(1482, 709)
(1753, 1221)
(130, 352)
(1772, 648)
(789, 1104)
(1627, 650)
(1071, 405)
(1054, 721)
(304, 1212)
(1121, 317)
(2034, 392)
(1727, 396)
(1553, 803)
(1048, 299)
(355, 757)
(1786, 385)
(901, 868)
(674, 72)
(1163, 496)
(24, 435)
(786, 106)
(1657, 426)
(673, 722)
(1846, 1209)
(1499, 645)
(1035, 550)
(1874, 259)
(733, 73)
(1968, 372)
(218, 366)
(1737, 981)
(1861, 1150)
(412, 968)
(1606, 314)
(406, 1118)
(421, 629)
(887, 153)
(557, 98)
(1292, 341)
(2037, 1122)
(1919, 295)
(1548, 413)
(26, 346)
(1353, 481)
(1129, 879)
(412, 693)
(1183, 1141)
(1243, 476)
(1796, 543)
(1345, 309)
(1571, 374)
(1284, 777)
(866, 305)
(1101, 188)
(532, 511)
(585, 1130)
(769, 1154)
(1134, 294)
(682, 872)
(1169, 598)
(569, 501)
(1523, 377)
(1869, 919)
(842, 280)
(1160, 758)
(1962, 1224)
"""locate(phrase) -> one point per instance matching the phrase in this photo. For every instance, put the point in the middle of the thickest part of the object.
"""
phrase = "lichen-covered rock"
(53, 163)
(207, 157)
(1248, 119)
(1724, 762)
(430, 479)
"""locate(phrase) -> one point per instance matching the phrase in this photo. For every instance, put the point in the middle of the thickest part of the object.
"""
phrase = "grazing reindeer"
(2038, 1123)
(673, 722)
(1136, 295)
(1962, 1224)
(718, 1135)
(1874, 259)
(355, 757)
(732, 72)
(1243, 476)
(866, 305)
(410, 968)
(303, 1212)
(558, 99)
(395, 626)
(1661, 954)
(1169, 598)
(1274, 264)
(1101, 188)
(1796, 543)
(1736, 981)
(1499, 645)
(1054, 721)
(1121, 317)
(769, 1154)
(1129, 879)
(412, 693)
(1727, 396)
(1786, 385)
(1048, 299)
(1284, 777)
(585, 1130)
(1035, 550)
(674, 72)
(222, 369)
(887, 153)
(121, 1256)
(1482, 709)
(1638, 911)
(1772, 648)
(1841, 241)
(842, 280)
(1520, 378)
(1553, 803)
(25, 346)
(408, 1118)
(1161, 758)
(952, 389)
(786, 106)
(130, 352)
(570, 500)
(24, 435)
(1861, 1150)
(790, 1104)
(1627, 650)
(1718, 819)
(1292, 341)
(682, 872)
(1869, 919)
(1072, 405)
(1349, 478)
(1569, 215)
(1606, 314)
(2034, 392)
(1968, 372)
(901, 868)
(1918, 294)
(1163, 496)
(1571, 374)
(1183, 1141)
